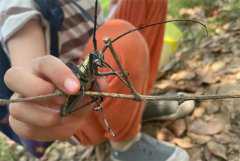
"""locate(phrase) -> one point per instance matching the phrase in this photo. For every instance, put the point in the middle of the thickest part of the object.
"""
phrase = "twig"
(180, 98)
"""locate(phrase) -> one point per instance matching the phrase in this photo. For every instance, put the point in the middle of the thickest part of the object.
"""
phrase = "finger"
(35, 114)
(61, 132)
(27, 84)
(53, 102)
(57, 72)
(82, 108)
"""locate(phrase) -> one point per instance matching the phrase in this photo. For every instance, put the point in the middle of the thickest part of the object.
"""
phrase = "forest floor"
(209, 65)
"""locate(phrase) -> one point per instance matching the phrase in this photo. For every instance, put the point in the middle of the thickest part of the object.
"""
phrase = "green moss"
(5, 152)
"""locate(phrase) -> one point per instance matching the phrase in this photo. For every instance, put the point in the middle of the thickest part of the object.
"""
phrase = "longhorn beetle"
(88, 71)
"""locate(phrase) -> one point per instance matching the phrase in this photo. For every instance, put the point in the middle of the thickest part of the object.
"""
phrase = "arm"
(35, 73)
(21, 52)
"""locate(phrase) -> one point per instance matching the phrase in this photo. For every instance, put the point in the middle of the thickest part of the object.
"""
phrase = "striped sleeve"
(77, 28)
(14, 14)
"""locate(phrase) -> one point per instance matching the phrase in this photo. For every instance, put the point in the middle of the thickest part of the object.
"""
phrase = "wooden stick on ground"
(180, 98)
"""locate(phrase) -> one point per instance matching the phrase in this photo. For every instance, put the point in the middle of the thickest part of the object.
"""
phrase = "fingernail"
(71, 85)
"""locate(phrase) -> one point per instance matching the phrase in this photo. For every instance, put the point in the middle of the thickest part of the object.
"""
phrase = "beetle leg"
(98, 100)
(113, 73)
(108, 43)
(100, 109)
(71, 102)
(105, 74)
(85, 105)
(74, 68)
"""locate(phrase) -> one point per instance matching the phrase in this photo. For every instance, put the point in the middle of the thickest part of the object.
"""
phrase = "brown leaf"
(198, 112)
(217, 149)
(165, 85)
(223, 138)
(212, 108)
(165, 135)
(196, 12)
(185, 143)
(211, 127)
(196, 154)
(207, 76)
(238, 76)
(217, 66)
(178, 127)
(208, 156)
(183, 75)
(199, 139)
(210, 78)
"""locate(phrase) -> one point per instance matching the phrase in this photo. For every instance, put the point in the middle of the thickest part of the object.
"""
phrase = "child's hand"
(41, 120)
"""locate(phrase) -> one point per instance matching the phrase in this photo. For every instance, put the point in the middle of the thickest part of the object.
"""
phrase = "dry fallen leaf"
(199, 139)
(198, 112)
(165, 135)
(196, 12)
(217, 66)
(218, 150)
(178, 127)
(208, 156)
(210, 127)
(165, 85)
(207, 76)
(185, 143)
(212, 108)
(196, 154)
(223, 138)
(183, 75)
(238, 76)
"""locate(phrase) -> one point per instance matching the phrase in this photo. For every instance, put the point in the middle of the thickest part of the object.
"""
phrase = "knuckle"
(65, 135)
(52, 119)
(25, 131)
(14, 109)
(8, 77)
(42, 61)
(58, 101)
(47, 88)
(15, 96)
(28, 133)
(48, 58)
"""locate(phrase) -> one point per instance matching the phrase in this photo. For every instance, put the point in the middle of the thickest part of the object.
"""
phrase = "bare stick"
(180, 98)
(108, 43)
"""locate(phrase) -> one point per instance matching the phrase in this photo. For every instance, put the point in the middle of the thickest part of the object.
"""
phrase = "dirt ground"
(212, 131)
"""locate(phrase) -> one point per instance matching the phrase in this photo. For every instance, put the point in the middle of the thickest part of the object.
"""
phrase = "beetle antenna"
(153, 25)
(95, 26)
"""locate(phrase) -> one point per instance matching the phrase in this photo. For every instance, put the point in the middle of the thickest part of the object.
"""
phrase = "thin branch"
(180, 98)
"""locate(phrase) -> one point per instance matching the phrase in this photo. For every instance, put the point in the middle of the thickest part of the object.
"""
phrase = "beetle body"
(86, 72)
